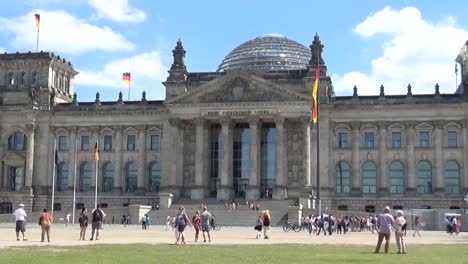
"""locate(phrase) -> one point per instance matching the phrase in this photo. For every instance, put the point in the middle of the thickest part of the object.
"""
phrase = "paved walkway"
(116, 234)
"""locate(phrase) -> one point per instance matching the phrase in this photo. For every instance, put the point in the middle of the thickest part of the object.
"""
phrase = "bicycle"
(214, 226)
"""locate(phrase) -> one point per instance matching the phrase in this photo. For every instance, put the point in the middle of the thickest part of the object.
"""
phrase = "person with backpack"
(98, 216)
(83, 221)
(45, 219)
(181, 222)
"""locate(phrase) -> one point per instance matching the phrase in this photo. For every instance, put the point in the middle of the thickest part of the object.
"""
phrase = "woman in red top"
(196, 220)
(45, 220)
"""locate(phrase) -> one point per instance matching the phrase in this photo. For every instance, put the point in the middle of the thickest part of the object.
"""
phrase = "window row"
(369, 140)
(106, 183)
(396, 175)
(108, 144)
(22, 78)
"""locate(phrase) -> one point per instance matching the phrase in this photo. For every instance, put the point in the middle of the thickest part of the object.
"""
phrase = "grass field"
(244, 254)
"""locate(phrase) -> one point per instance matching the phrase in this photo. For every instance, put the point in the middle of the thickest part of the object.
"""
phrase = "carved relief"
(189, 154)
(241, 90)
(295, 166)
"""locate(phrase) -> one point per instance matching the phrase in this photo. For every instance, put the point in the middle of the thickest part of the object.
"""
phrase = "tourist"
(67, 218)
(181, 222)
(168, 222)
(98, 216)
(417, 226)
(458, 226)
(83, 221)
(143, 222)
(266, 223)
(399, 232)
(259, 226)
(20, 217)
(196, 220)
(205, 220)
(45, 219)
(148, 221)
(385, 222)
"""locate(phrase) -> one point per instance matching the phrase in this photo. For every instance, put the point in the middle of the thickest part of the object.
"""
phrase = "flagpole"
(96, 181)
(53, 179)
(129, 91)
(74, 180)
(319, 201)
(37, 40)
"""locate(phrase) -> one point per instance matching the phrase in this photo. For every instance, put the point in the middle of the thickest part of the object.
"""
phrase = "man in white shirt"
(20, 217)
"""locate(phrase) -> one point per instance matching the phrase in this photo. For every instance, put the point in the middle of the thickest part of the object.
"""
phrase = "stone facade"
(400, 150)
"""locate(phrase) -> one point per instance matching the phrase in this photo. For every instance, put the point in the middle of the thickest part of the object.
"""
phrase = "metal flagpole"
(318, 141)
(53, 179)
(37, 40)
(96, 182)
(129, 91)
(74, 179)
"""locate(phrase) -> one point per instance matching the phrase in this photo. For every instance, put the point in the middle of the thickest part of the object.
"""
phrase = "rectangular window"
(424, 139)
(369, 140)
(396, 140)
(343, 140)
(155, 142)
(131, 139)
(108, 142)
(452, 139)
(84, 143)
(62, 143)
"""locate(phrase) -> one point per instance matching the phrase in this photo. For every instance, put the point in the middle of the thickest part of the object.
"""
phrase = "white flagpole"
(96, 182)
(74, 180)
(53, 179)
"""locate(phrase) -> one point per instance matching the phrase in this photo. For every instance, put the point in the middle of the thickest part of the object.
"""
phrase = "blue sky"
(367, 43)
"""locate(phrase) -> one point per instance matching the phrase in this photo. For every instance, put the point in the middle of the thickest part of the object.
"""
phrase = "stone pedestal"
(165, 200)
(306, 201)
(136, 212)
(225, 194)
(197, 193)
(280, 193)
(252, 193)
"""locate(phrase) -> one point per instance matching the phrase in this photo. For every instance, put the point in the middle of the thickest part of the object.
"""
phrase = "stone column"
(226, 191)
(118, 178)
(142, 170)
(306, 159)
(383, 181)
(464, 176)
(438, 177)
(280, 191)
(411, 172)
(198, 191)
(29, 157)
(71, 161)
(253, 189)
(356, 176)
(175, 143)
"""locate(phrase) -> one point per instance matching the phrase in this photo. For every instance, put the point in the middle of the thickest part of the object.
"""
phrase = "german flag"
(38, 20)
(96, 152)
(315, 97)
(126, 78)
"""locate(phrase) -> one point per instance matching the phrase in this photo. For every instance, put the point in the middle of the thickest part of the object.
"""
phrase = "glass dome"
(268, 52)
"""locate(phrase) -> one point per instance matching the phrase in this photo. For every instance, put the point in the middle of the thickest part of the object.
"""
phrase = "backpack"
(97, 215)
(180, 220)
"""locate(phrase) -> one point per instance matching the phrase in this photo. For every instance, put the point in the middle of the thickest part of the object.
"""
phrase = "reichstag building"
(243, 131)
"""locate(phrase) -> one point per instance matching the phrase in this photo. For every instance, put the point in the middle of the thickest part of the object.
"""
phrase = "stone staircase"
(225, 217)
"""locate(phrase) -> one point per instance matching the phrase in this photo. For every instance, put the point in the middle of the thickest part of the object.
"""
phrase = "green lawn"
(244, 254)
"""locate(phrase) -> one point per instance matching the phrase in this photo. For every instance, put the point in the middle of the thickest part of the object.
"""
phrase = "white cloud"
(62, 32)
(145, 68)
(2, 50)
(415, 51)
(117, 10)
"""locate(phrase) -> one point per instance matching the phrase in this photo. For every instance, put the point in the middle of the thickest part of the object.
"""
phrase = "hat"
(387, 208)
(399, 212)
(21, 205)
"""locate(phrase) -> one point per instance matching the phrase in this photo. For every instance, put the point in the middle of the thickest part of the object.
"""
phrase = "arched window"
(397, 177)
(343, 177)
(85, 177)
(154, 177)
(11, 78)
(108, 177)
(369, 177)
(17, 141)
(23, 78)
(424, 176)
(131, 177)
(452, 177)
(62, 177)
(34, 78)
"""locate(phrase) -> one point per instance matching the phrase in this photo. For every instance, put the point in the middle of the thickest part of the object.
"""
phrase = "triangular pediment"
(238, 87)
